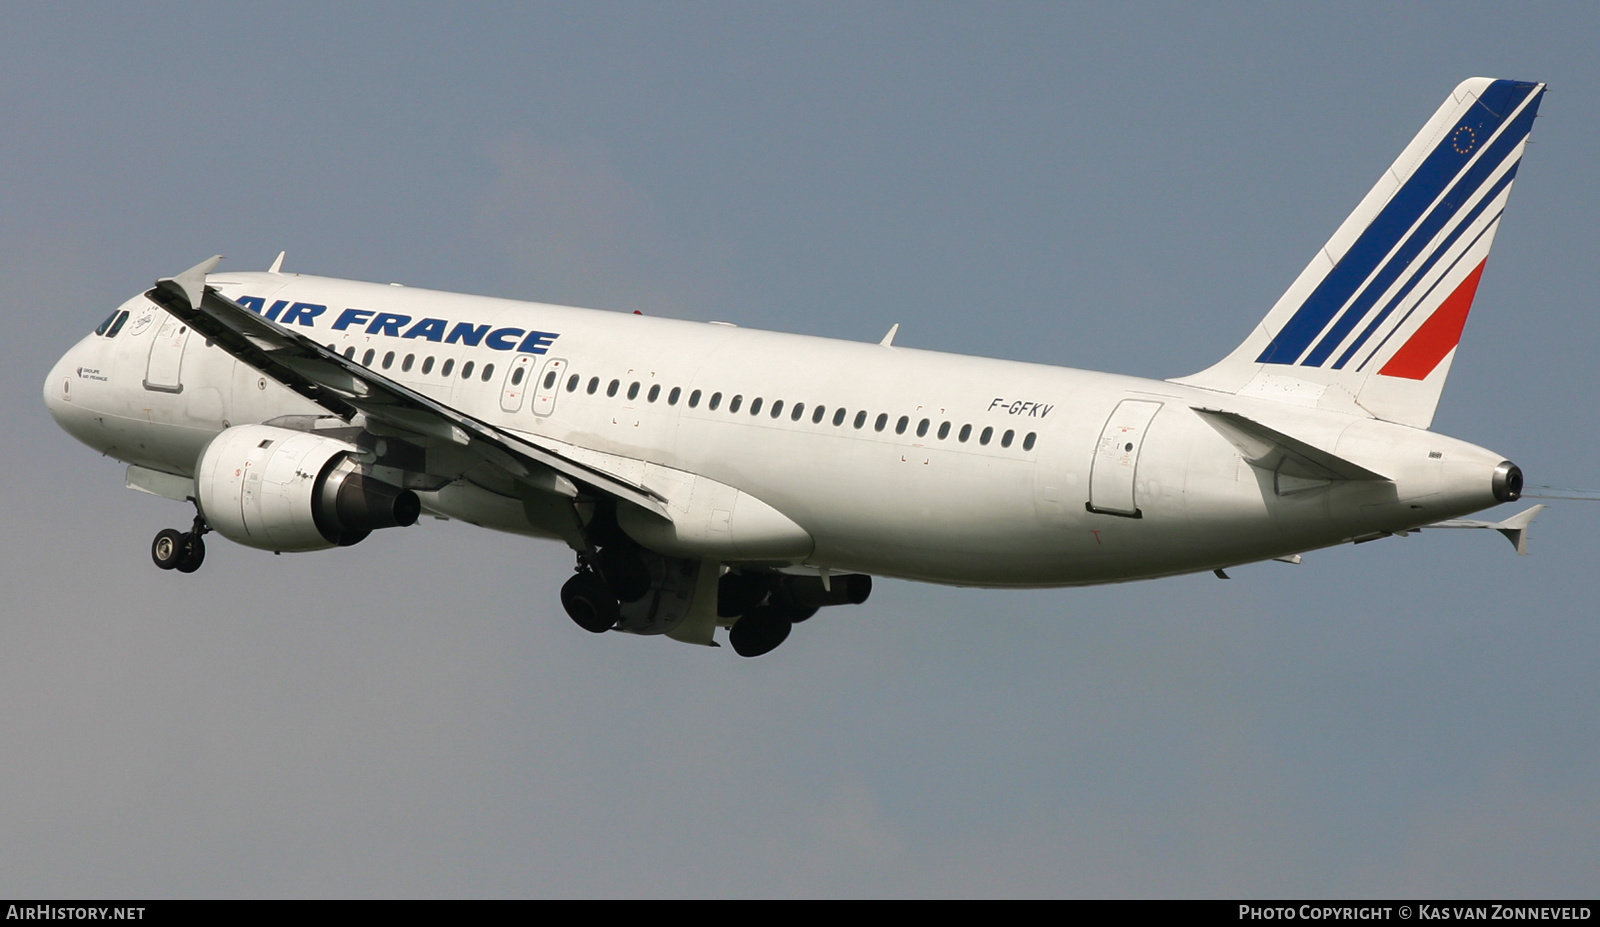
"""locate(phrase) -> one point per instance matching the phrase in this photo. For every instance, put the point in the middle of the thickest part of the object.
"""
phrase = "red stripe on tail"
(1437, 336)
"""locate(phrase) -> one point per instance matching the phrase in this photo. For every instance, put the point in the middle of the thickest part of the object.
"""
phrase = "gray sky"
(1123, 187)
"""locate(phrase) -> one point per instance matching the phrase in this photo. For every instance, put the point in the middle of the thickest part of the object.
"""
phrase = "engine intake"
(283, 490)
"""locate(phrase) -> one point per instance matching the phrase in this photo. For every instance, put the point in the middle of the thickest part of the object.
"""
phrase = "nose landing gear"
(183, 551)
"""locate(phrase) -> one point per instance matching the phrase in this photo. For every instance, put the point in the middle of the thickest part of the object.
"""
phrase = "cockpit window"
(112, 324)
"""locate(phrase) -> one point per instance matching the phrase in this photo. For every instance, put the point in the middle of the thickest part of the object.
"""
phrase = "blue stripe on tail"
(1427, 265)
(1398, 216)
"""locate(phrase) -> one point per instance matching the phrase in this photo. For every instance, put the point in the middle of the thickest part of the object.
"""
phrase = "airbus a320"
(713, 477)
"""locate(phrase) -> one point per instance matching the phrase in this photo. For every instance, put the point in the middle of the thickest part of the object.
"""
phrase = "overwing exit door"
(544, 395)
(516, 385)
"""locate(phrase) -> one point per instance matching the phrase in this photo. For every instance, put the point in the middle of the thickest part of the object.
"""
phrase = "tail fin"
(1373, 321)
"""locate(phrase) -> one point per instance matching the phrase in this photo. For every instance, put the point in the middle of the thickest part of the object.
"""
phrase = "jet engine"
(277, 489)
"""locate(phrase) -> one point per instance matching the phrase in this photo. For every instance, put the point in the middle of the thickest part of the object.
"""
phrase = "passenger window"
(777, 408)
(488, 371)
(883, 420)
(861, 419)
(755, 406)
(966, 432)
(405, 365)
(388, 360)
(594, 384)
(944, 430)
(449, 365)
(818, 414)
(799, 411)
(1005, 439)
(427, 364)
(549, 378)
(366, 359)
(838, 416)
(694, 399)
(611, 388)
(633, 391)
(466, 370)
(349, 352)
(716, 400)
(735, 402)
(655, 392)
(1027, 443)
(572, 383)
(900, 426)
(987, 434)
(922, 428)
(672, 397)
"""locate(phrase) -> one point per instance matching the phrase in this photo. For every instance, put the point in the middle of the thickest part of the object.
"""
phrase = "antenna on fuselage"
(277, 263)
(888, 340)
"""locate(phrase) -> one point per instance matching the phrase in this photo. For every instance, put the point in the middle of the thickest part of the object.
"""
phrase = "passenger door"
(1116, 458)
(164, 369)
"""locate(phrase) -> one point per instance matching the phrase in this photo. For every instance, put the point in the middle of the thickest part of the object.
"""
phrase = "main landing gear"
(620, 585)
(606, 580)
(183, 551)
(765, 607)
(590, 602)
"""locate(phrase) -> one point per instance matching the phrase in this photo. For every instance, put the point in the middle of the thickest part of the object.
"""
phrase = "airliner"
(708, 476)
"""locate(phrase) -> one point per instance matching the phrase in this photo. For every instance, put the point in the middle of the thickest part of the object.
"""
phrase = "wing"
(354, 392)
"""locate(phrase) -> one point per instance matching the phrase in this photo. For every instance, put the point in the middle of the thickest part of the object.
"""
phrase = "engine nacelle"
(278, 489)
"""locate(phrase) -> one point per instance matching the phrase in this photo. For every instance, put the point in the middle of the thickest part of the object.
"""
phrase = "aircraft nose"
(60, 386)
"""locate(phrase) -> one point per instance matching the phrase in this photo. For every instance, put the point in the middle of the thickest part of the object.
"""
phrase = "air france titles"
(394, 325)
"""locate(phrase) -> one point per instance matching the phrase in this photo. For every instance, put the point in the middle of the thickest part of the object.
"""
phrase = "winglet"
(192, 282)
(277, 264)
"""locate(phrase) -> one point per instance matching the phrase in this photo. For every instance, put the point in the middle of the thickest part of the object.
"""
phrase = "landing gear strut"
(183, 551)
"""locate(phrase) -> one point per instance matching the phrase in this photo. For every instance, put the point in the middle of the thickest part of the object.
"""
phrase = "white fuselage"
(1000, 488)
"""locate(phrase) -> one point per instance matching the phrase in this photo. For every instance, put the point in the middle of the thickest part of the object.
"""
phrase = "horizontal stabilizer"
(1514, 528)
(1277, 452)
